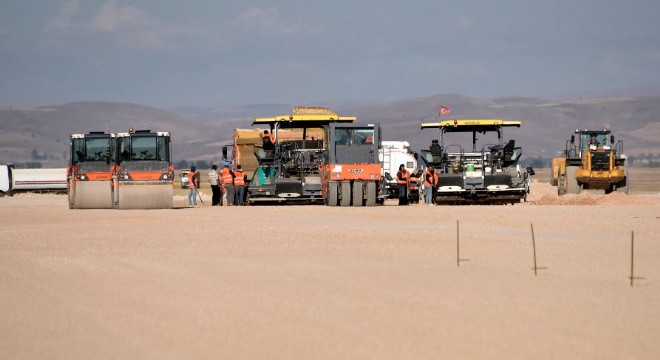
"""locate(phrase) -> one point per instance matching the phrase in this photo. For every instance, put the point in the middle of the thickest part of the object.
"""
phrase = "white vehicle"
(13, 180)
(392, 154)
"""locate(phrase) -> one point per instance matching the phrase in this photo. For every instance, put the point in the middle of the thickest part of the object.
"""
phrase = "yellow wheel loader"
(592, 160)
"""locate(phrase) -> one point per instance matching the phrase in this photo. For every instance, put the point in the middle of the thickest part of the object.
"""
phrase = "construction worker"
(402, 180)
(215, 186)
(430, 182)
(268, 141)
(193, 184)
(239, 185)
(227, 177)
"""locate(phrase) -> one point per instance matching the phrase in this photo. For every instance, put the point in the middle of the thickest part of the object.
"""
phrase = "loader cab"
(592, 140)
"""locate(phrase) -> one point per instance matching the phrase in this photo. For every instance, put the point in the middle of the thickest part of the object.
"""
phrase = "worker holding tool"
(192, 187)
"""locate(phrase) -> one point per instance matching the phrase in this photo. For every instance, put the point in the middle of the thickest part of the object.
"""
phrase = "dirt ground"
(314, 282)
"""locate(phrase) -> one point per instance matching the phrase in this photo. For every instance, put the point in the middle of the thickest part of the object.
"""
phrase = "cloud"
(63, 21)
(111, 18)
(263, 20)
(123, 25)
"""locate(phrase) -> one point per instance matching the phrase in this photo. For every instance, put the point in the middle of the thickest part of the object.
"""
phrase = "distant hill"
(546, 125)
(198, 134)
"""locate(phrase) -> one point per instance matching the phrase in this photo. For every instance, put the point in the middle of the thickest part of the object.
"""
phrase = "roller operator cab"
(90, 172)
(591, 160)
(144, 170)
(353, 172)
(474, 163)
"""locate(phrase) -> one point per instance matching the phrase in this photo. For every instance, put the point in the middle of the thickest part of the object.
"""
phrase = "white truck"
(392, 154)
(46, 180)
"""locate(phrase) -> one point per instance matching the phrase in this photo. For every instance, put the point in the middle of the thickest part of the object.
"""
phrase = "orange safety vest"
(239, 180)
(434, 178)
(402, 177)
(191, 180)
(227, 178)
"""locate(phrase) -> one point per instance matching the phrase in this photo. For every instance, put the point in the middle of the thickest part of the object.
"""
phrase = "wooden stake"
(534, 246)
(458, 245)
(632, 256)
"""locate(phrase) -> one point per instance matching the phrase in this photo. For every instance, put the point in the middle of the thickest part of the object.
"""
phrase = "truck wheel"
(572, 185)
(371, 193)
(333, 193)
(358, 191)
(345, 193)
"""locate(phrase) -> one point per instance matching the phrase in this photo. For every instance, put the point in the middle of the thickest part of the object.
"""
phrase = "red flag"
(443, 110)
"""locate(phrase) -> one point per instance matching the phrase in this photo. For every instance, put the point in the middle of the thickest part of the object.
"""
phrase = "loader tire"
(572, 185)
(561, 183)
(623, 185)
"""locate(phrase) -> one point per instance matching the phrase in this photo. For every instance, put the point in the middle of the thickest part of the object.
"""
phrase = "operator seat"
(508, 149)
(436, 151)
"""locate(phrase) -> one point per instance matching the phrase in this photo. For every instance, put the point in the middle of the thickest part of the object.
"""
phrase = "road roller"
(144, 171)
(90, 171)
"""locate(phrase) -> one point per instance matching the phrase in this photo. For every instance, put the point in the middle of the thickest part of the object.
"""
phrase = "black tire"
(358, 191)
(333, 193)
(623, 185)
(561, 183)
(345, 199)
(371, 193)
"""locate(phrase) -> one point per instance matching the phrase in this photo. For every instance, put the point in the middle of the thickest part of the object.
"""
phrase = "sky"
(210, 53)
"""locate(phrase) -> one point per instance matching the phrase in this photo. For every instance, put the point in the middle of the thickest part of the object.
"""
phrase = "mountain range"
(42, 133)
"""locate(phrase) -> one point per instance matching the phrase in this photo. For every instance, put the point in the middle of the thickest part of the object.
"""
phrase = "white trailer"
(13, 180)
(392, 154)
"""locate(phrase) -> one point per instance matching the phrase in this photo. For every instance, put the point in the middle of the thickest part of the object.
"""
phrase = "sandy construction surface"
(313, 282)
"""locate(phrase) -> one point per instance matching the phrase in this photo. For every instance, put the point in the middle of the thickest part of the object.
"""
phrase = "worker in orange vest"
(268, 138)
(239, 185)
(227, 177)
(193, 183)
(430, 183)
(402, 180)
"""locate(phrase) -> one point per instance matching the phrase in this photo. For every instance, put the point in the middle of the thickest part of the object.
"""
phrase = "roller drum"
(150, 196)
(92, 195)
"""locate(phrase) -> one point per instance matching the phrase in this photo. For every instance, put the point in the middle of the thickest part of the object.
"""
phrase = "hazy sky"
(212, 52)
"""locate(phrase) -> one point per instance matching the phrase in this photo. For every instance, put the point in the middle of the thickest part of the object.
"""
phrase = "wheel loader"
(591, 160)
